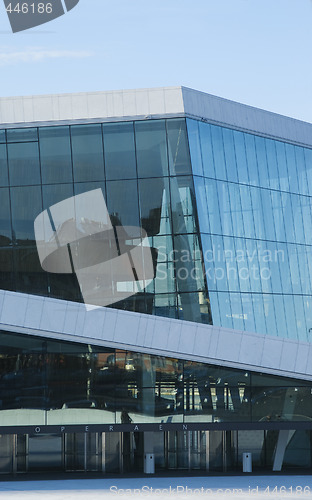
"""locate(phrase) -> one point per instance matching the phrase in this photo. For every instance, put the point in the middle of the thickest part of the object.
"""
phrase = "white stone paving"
(216, 487)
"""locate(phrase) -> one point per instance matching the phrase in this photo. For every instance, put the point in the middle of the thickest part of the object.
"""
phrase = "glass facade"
(47, 382)
(144, 171)
(227, 214)
(228, 219)
(254, 207)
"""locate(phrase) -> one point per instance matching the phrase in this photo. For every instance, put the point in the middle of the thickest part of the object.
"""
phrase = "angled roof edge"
(220, 111)
(88, 107)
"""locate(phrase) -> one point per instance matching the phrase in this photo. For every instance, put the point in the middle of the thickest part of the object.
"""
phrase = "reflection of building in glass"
(208, 353)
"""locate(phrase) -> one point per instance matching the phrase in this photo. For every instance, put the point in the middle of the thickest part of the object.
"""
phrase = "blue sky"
(253, 51)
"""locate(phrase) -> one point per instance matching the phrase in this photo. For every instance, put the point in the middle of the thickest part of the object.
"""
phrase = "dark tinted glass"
(55, 193)
(22, 135)
(183, 206)
(55, 155)
(122, 202)
(154, 206)
(3, 166)
(84, 187)
(178, 152)
(26, 205)
(87, 149)
(24, 166)
(119, 151)
(2, 136)
(5, 218)
(151, 148)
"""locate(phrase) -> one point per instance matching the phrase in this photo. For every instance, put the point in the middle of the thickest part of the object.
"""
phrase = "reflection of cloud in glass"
(77, 236)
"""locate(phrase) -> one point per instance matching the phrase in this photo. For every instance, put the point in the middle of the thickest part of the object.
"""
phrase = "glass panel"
(237, 312)
(209, 261)
(55, 155)
(301, 170)
(305, 278)
(225, 210)
(213, 206)
(248, 312)
(189, 306)
(264, 256)
(298, 219)
(179, 157)
(288, 216)
(2, 136)
(87, 148)
(242, 259)
(308, 163)
(230, 257)
(184, 216)
(24, 164)
(229, 151)
(154, 205)
(284, 267)
(164, 258)
(84, 187)
(236, 210)
(217, 265)
(201, 202)
(151, 148)
(214, 305)
(270, 314)
(252, 253)
(307, 306)
(268, 214)
(119, 151)
(165, 305)
(225, 310)
(280, 314)
(241, 158)
(7, 279)
(282, 166)
(307, 218)
(290, 317)
(218, 152)
(292, 168)
(206, 150)
(262, 161)
(5, 218)
(272, 164)
(274, 260)
(259, 314)
(247, 213)
(294, 269)
(300, 319)
(3, 166)
(122, 202)
(22, 135)
(252, 159)
(279, 223)
(257, 213)
(53, 193)
(194, 143)
(6, 263)
(26, 205)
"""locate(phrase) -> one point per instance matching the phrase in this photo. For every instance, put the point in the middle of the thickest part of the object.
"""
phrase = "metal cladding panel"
(62, 320)
(151, 103)
(240, 116)
(88, 106)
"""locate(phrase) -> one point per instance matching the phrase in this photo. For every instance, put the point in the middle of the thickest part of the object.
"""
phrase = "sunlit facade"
(208, 359)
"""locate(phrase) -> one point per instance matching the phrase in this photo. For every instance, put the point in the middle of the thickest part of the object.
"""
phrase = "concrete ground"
(215, 487)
